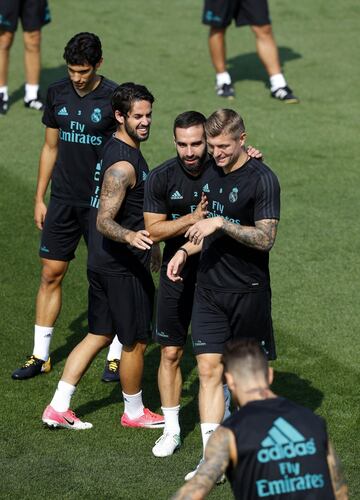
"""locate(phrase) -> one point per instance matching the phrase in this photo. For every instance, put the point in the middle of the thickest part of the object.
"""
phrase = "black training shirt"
(244, 196)
(111, 257)
(282, 450)
(85, 124)
(172, 191)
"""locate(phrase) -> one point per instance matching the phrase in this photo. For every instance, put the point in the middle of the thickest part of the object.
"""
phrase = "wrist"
(220, 222)
(184, 251)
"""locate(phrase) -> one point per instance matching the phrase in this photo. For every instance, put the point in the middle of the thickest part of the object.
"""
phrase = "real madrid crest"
(96, 115)
(233, 196)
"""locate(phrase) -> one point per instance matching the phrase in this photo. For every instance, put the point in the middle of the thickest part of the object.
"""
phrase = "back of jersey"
(282, 450)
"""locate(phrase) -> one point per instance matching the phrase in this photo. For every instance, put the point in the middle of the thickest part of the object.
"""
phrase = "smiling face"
(191, 147)
(83, 76)
(227, 150)
(138, 120)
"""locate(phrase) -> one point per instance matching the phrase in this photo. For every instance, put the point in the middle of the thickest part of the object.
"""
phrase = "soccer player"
(233, 297)
(34, 14)
(219, 15)
(270, 447)
(79, 120)
(175, 198)
(121, 289)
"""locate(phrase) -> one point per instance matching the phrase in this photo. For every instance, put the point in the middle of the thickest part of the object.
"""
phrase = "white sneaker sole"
(52, 424)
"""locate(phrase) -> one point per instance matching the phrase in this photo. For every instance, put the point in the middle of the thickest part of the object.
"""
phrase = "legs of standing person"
(48, 306)
(170, 386)
(174, 305)
(211, 394)
(6, 40)
(63, 228)
(217, 49)
(57, 413)
(32, 63)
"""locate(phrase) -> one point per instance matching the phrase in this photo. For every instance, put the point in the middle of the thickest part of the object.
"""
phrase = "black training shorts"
(33, 14)
(174, 306)
(220, 13)
(120, 305)
(63, 227)
(221, 316)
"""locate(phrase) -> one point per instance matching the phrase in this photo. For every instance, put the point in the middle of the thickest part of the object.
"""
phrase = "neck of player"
(239, 162)
(92, 84)
(254, 390)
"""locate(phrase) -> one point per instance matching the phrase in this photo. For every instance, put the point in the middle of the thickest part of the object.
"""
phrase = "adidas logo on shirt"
(284, 441)
(176, 196)
(206, 188)
(63, 112)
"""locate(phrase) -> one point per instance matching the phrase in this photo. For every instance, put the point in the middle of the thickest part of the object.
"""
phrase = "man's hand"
(155, 262)
(176, 265)
(254, 153)
(139, 239)
(39, 214)
(203, 228)
(201, 209)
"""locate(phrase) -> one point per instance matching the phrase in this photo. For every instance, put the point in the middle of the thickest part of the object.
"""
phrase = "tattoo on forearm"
(261, 237)
(217, 457)
(338, 480)
(113, 191)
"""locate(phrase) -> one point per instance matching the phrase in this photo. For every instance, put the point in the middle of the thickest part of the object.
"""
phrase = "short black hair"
(245, 356)
(126, 93)
(189, 119)
(83, 48)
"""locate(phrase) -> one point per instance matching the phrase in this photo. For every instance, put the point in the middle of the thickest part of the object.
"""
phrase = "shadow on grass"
(297, 389)
(48, 76)
(249, 67)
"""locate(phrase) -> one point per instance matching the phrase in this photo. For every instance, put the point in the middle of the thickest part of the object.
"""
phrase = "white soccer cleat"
(166, 445)
(191, 474)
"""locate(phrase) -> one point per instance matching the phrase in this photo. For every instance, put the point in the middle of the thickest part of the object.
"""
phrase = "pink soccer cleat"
(65, 419)
(148, 420)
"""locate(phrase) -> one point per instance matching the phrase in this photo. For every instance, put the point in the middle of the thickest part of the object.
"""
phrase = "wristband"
(184, 250)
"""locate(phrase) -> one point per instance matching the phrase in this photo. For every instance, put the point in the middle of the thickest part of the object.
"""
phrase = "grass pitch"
(314, 265)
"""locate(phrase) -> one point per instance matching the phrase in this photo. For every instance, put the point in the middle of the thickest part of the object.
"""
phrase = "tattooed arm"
(337, 479)
(117, 179)
(220, 451)
(261, 236)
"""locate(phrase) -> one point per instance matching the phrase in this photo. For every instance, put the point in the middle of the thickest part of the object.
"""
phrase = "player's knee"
(52, 273)
(210, 370)
(264, 31)
(32, 41)
(6, 40)
(171, 355)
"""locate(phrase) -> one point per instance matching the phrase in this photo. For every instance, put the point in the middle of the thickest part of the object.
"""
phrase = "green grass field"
(314, 265)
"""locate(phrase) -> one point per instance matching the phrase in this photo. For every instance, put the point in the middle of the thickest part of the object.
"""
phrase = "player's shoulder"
(108, 85)
(59, 85)
(116, 150)
(259, 168)
(166, 168)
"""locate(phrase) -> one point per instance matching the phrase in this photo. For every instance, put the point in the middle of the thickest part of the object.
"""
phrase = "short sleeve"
(155, 193)
(49, 118)
(267, 202)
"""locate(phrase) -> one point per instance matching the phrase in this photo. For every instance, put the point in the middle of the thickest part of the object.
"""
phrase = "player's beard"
(195, 169)
(132, 132)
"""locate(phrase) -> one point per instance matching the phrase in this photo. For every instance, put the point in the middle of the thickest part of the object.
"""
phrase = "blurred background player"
(219, 15)
(270, 447)
(79, 120)
(34, 14)
(121, 290)
(233, 296)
